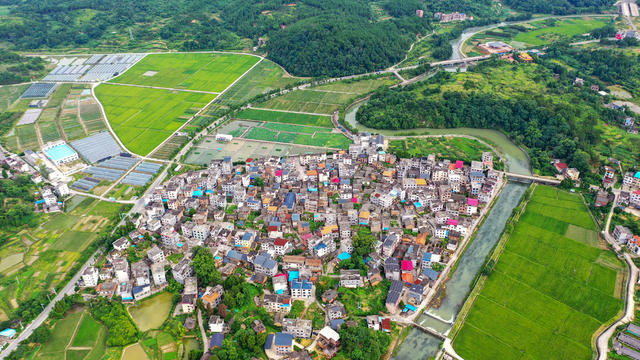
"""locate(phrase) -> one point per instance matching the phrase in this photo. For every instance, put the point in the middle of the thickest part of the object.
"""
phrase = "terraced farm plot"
(77, 336)
(143, 118)
(27, 137)
(49, 131)
(91, 116)
(241, 149)
(71, 125)
(263, 78)
(549, 292)
(193, 71)
(285, 117)
(301, 135)
(170, 148)
(309, 101)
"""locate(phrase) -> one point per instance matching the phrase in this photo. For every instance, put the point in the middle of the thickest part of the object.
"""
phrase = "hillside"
(307, 37)
(551, 118)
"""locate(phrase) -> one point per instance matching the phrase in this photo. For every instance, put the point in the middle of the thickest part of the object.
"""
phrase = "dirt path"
(38, 135)
(84, 126)
(69, 347)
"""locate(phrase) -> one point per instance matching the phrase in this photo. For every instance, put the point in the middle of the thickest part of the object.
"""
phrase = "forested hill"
(560, 7)
(308, 37)
(552, 118)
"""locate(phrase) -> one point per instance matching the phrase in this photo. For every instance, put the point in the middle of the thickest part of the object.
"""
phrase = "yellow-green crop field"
(143, 118)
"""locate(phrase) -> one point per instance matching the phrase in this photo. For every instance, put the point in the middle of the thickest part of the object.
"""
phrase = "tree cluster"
(114, 316)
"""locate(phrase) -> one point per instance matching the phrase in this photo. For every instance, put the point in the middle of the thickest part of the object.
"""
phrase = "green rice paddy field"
(285, 117)
(143, 118)
(551, 289)
(193, 71)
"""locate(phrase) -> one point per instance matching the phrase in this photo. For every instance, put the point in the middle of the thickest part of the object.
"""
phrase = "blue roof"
(197, 193)
(426, 256)
(320, 246)
(431, 274)
(283, 339)
(216, 340)
(410, 307)
(39, 201)
(293, 275)
(335, 324)
(295, 217)
(138, 289)
(247, 236)
(304, 284)
(8, 332)
(417, 204)
(637, 174)
(344, 256)
(289, 200)
(269, 342)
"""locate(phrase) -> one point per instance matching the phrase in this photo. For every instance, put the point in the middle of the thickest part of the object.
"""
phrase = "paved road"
(602, 342)
(205, 341)
(68, 289)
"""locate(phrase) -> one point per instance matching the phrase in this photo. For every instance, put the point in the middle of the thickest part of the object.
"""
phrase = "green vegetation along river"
(516, 159)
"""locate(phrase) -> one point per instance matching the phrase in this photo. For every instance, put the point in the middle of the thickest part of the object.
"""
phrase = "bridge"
(429, 331)
(460, 61)
(530, 178)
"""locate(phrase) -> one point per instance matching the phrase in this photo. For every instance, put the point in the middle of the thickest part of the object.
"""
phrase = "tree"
(204, 266)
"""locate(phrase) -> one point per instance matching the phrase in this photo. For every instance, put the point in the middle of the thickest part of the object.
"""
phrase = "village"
(285, 223)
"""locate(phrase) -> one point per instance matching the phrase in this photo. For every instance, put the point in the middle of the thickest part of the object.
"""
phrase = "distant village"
(288, 221)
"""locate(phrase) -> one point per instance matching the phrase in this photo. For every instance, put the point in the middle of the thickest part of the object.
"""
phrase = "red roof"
(386, 324)
(335, 180)
(249, 160)
(472, 202)
(561, 165)
(407, 277)
(459, 164)
(272, 228)
(354, 199)
(280, 242)
(637, 192)
(407, 265)
(278, 172)
(452, 222)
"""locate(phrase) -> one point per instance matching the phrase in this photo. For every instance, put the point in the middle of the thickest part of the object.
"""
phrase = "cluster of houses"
(454, 16)
(49, 196)
(290, 220)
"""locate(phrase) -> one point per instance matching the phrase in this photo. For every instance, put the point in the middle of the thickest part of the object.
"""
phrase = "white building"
(90, 276)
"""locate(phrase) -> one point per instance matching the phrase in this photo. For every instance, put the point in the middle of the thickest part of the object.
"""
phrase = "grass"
(548, 292)
(563, 28)
(61, 335)
(295, 128)
(285, 117)
(364, 301)
(454, 148)
(263, 78)
(143, 118)
(193, 71)
(9, 95)
(85, 336)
